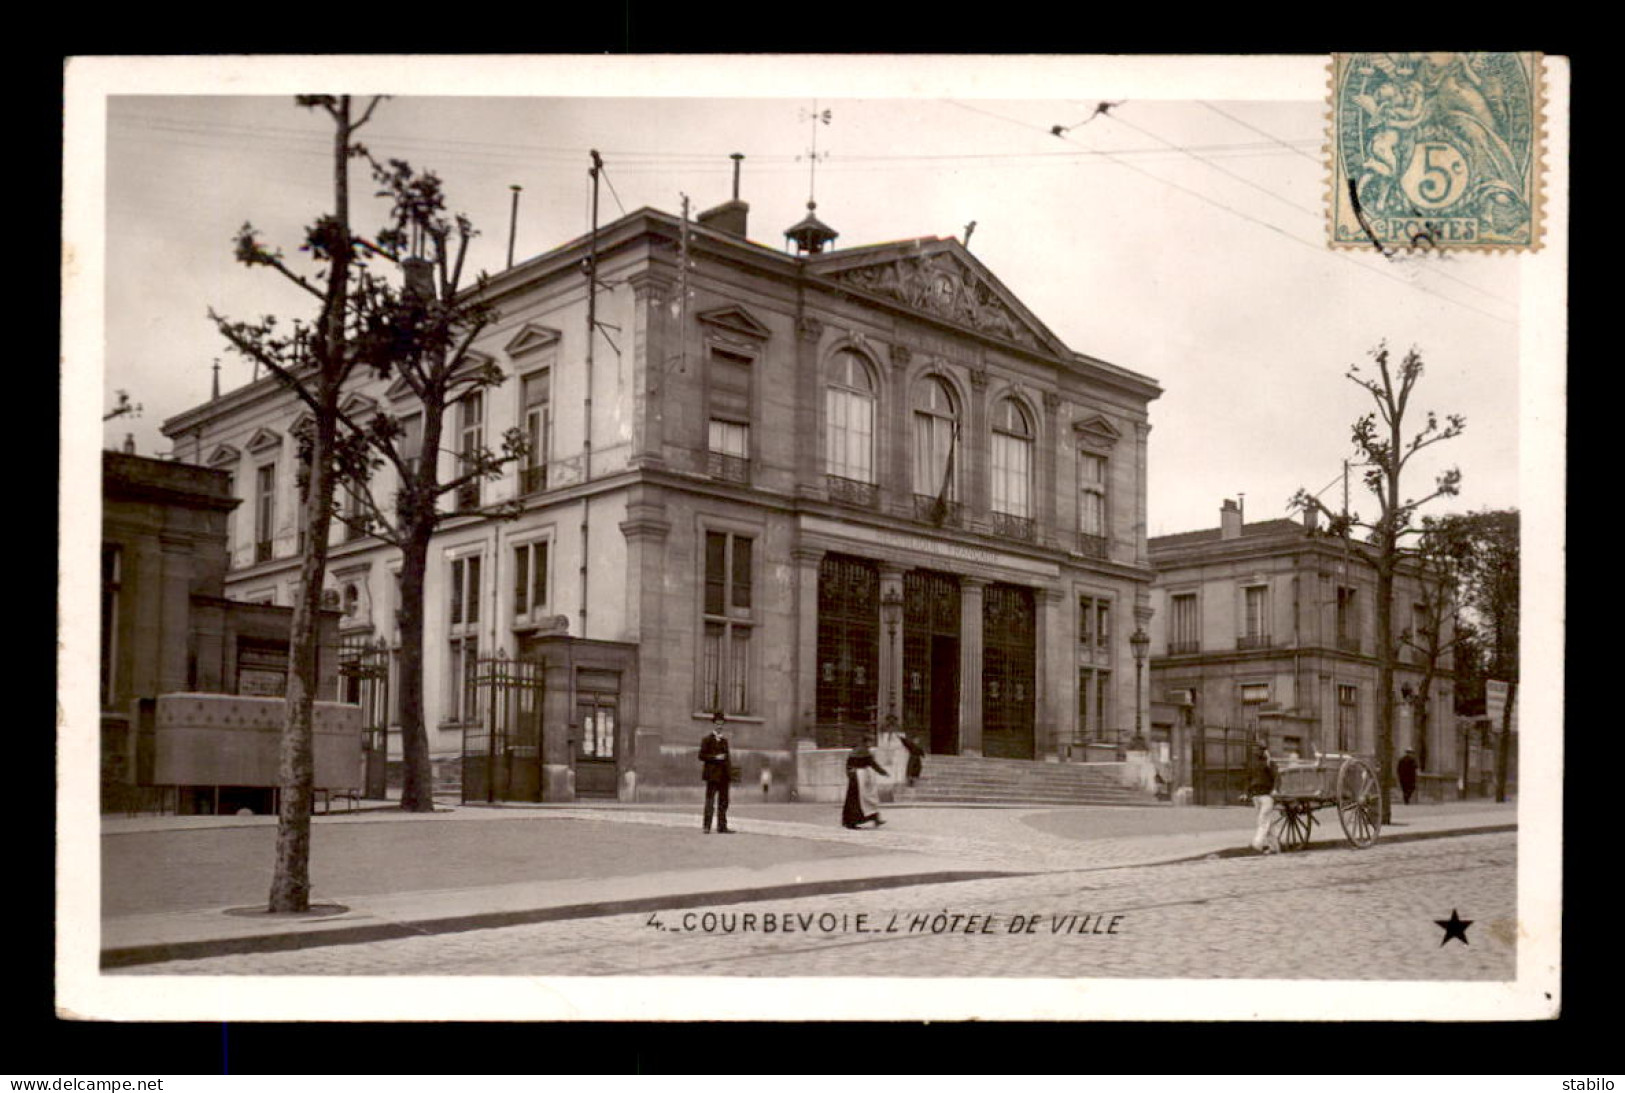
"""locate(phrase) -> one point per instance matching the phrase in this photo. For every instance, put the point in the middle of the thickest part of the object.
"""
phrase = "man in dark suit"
(1407, 774)
(715, 764)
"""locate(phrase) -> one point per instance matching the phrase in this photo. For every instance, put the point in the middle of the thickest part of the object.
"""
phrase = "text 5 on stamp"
(1435, 151)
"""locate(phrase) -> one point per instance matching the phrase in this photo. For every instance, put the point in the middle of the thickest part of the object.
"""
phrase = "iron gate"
(364, 674)
(931, 619)
(502, 750)
(848, 650)
(1219, 764)
(1008, 671)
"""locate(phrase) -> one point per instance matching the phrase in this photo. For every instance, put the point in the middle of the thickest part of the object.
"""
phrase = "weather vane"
(815, 117)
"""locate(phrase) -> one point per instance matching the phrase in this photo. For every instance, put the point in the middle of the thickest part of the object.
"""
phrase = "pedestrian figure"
(715, 766)
(1260, 787)
(1407, 774)
(862, 791)
(916, 758)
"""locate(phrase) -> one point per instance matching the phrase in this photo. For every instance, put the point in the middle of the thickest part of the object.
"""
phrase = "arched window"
(850, 427)
(936, 441)
(1012, 460)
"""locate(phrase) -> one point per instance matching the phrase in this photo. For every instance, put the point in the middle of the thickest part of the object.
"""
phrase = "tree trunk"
(1503, 746)
(417, 789)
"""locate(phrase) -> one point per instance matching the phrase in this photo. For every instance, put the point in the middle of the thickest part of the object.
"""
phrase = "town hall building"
(831, 493)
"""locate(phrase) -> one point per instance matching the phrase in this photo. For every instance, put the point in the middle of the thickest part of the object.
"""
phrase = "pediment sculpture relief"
(939, 285)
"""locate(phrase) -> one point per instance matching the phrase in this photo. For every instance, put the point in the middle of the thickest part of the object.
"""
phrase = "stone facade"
(737, 432)
(1268, 629)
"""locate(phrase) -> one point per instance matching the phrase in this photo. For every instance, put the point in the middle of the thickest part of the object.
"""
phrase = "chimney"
(1229, 520)
(727, 218)
(1311, 518)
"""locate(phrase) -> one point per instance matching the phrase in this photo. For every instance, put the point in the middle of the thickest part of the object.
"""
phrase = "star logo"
(1454, 927)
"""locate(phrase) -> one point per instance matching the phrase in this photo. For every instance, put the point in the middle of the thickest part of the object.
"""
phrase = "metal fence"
(502, 748)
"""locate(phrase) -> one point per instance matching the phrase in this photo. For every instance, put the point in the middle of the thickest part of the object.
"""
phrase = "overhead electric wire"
(1319, 248)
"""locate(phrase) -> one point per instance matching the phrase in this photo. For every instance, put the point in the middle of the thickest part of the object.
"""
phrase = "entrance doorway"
(597, 715)
(1008, 672)
(931, 618)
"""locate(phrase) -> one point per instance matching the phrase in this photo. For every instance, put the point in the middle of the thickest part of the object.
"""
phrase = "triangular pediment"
(263, 439)
(939, 278)
(736, 320)
(531, 338)
(400, 390)
(358, 406)
(224, 456)
(1096, 432)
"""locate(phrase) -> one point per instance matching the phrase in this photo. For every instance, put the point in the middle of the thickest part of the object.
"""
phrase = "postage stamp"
(1435, 151)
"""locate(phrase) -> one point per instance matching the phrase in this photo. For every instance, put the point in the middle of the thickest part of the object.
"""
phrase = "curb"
(133, 955)
(1338, 844)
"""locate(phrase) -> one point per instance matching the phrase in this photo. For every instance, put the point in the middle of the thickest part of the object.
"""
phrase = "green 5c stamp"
(1436, 151)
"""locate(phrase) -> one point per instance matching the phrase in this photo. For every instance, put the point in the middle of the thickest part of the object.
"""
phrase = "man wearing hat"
(1407, 773)
(714, 767)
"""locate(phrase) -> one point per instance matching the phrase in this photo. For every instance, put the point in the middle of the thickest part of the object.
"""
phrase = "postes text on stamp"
(1435, 151)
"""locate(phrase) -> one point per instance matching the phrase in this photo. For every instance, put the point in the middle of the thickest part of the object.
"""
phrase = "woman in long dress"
(862, 789)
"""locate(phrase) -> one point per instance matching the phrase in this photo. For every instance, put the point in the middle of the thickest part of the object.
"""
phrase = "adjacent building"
(826, 492)
(1267, 631)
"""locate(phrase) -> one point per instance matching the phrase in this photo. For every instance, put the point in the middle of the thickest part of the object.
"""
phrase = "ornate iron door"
(1008, 672)
(931, 617)
(848, 649)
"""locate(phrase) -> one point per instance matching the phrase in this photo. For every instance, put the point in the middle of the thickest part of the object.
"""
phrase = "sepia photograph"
(1061, 518)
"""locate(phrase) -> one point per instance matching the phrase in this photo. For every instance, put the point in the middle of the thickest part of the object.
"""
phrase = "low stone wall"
(821, 772)
(671, 772)
(236, 740)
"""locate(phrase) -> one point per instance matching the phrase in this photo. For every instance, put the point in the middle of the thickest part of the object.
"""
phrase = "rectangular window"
(470, 442)
(1091, 494)
(538, 410)
(1094, 705)
(1255, 623)
(1348, 620)
(1252, 697)
(529, 579)
(264, 511)
(728, 623)
(464, 618)
(728, 401)
(355, 514)
(1348, 716)
(1094, 623)
(1184, 633)
(412, 442)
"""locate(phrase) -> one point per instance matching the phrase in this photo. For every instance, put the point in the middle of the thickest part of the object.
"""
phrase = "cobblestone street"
(1328, 914)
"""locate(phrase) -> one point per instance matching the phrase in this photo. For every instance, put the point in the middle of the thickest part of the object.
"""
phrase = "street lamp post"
(1140, 642)
(891, 611)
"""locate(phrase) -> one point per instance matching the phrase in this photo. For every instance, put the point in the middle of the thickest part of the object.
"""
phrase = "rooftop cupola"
(811, 235)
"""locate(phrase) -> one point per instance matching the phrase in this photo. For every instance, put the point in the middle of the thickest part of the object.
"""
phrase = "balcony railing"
(1091, 546)
(1176, 647)
(533, 479)
(262, 551)
(729, 468)
(849, 491)
(1012, 526)
(948, 514)
(1252, 641)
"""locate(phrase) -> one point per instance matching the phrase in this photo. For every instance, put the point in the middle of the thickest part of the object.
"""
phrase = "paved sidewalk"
(181, 887)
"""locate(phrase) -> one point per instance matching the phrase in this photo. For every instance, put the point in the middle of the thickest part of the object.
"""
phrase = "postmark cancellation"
(1435, 151)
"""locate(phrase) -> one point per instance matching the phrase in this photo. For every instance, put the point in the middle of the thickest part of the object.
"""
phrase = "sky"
(1179, 235)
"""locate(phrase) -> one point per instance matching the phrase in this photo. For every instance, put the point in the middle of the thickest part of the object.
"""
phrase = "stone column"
(652, 345)
(897, 454)
(973, 448)
(1049, 446)
(809, 401)
(1142, 430)
(806, 561)
(175, 611)
(970, 665)
(646, 529)
(1055, 676)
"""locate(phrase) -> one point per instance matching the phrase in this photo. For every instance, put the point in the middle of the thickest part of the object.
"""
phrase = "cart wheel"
(1296, 821)
(1359, 802)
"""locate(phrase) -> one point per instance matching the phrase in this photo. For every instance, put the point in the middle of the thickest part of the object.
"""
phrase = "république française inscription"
(1435, 151)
